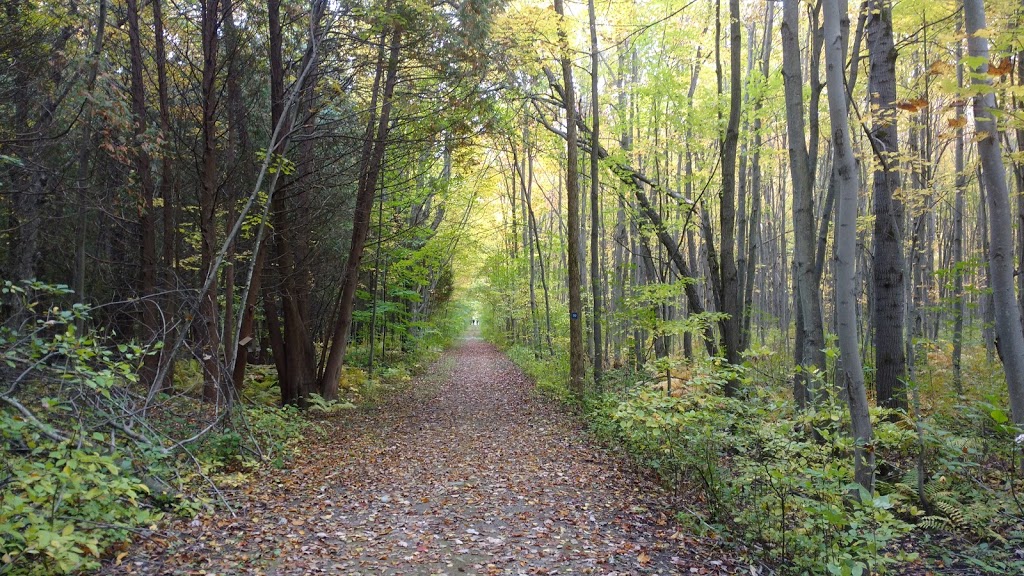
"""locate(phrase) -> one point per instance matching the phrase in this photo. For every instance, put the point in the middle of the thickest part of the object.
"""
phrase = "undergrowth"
(781, 480)
(88, 458)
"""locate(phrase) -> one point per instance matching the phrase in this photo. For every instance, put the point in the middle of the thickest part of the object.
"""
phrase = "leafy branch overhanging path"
(469, 472)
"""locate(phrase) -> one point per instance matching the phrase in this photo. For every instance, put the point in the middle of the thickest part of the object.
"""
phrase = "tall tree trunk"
(151, 316)
(688, 191)
(529, 229)
(754, 234)
(731, 326)
(373, 160)
(84, 157)
(540, 259)
(846, 245)
(888, 282)
(987, 309)
(1018, 169)
(1010, 337)
(576, 352)
(958, 232)
(811, 339)
(236, 322)
(298, 360)
(209, 330)
(622, 248)
(596, 283)
(237, 134)
(746, 143)
(168, 220)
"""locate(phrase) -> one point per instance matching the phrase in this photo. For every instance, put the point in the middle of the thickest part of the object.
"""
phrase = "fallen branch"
(47, 430)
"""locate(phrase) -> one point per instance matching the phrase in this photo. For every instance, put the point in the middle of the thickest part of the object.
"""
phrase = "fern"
(317, 403)
(935, 523)
(907, 486)
(951, 509)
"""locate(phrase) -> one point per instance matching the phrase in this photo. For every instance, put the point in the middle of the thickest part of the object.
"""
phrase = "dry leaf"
(1002, 69)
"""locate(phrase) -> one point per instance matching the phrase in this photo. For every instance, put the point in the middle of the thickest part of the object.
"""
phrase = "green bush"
(762, 474)
(64, 502)
(68, 473)
(551, 374)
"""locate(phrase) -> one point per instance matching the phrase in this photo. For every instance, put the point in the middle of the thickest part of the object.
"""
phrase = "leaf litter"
(467, 472)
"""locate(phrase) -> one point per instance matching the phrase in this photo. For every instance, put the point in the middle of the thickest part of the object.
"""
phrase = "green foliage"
(276, 432)
(188, 376)
(762, 472)
(783, 479)
(70, 485)
(551, 375)
(63, 503)
(261, 385)
(318, 404)
(81, 468)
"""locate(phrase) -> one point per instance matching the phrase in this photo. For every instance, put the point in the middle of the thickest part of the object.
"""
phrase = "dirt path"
(468, 473)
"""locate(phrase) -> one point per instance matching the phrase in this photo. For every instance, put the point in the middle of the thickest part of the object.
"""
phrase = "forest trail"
(468, 472)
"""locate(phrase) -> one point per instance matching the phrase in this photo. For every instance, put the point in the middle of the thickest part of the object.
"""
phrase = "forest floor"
(467, 471)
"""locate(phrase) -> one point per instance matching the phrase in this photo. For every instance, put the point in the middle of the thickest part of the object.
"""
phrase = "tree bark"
(165, 364)
(576, 352)
(754, 234)
(811, 331)
(596, 282)
(374, 149)
(731, 325)
(84, 157)
(151, 316)
(958, 232)
(888, 282)
(209, 330)
(298, 361)
(1010, 338)
(846, 246)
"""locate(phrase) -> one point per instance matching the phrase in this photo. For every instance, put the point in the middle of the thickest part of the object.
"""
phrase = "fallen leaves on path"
(467, 473)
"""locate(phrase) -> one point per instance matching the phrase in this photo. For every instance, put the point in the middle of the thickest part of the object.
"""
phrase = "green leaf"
(999, 416)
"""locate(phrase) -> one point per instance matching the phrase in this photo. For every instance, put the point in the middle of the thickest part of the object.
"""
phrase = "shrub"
(551, 374)
(85, 453)
(64, 502)
(761, 473)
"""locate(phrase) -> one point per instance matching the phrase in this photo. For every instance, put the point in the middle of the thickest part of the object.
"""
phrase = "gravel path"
(469, 472)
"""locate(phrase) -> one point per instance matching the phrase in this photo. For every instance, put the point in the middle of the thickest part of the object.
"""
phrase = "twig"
(47, 430)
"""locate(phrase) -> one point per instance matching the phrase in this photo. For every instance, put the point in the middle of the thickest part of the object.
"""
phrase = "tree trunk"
(730, 295)
(958, 232)
(529, 229)
(298, 349)
(811, 339)
(168, 220)
(373, 159)
(596, 283)
(209, 330)
(84, 157)
(846, 246)
(754, 234)
(1010, 338)
(888, 282)
(151, 316)
(576, 352)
